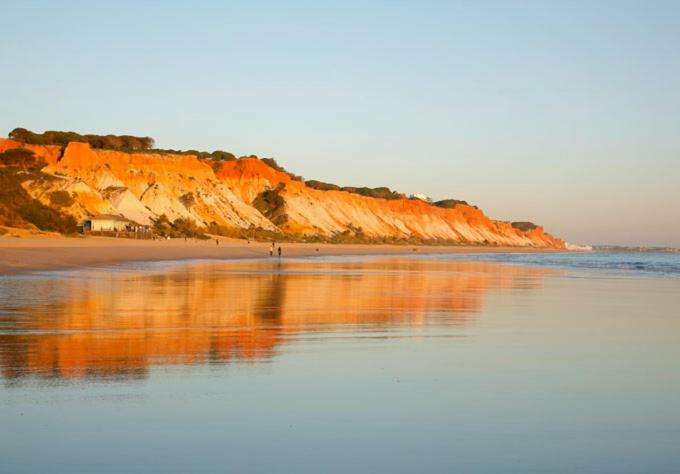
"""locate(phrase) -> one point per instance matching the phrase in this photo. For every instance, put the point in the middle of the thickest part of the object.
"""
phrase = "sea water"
(478, 363)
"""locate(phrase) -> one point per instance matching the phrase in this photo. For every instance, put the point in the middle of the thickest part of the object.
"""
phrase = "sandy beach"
(35, 253)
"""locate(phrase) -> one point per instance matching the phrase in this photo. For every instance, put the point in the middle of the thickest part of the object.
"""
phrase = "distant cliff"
(249, 193)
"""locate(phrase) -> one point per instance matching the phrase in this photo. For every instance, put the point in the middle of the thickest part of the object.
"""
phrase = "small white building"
(420, 196)
(106, 223)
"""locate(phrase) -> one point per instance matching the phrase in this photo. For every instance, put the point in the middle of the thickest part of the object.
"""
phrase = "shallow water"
(664, 264)
(348, 365)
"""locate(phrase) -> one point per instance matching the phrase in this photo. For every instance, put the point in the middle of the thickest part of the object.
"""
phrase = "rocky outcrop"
(248, 193)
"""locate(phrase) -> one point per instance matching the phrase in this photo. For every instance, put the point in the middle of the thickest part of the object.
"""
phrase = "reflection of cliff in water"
(117, 324)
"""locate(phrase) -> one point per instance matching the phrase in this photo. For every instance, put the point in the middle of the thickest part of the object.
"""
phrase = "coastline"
(25, 255)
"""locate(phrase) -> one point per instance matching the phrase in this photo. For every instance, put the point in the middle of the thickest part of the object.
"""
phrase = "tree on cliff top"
(379, 193)
(219, 155)
(524, 226)
(450, 203)
(110, 142)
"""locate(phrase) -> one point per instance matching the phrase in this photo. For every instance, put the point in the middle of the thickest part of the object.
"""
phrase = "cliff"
(247, 193)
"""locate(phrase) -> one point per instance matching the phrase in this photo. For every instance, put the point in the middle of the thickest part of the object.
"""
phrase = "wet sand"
(19, 255)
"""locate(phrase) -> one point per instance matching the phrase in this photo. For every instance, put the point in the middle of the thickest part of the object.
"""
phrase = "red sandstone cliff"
(142, 186)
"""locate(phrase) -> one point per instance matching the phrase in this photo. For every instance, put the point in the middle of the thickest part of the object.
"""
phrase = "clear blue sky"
(564, 113)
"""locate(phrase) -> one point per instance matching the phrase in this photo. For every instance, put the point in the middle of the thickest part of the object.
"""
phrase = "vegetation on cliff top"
(450, 203)
(379, 193)
(216, 156)
(524, 226)
(271, 162)
(110, 142)
(129, 143)
(123, 143)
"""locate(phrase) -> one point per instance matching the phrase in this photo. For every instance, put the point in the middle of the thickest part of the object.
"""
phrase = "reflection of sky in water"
(345, 366)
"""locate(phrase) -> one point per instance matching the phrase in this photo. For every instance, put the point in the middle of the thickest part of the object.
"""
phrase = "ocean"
(475, 363)
(662, 264)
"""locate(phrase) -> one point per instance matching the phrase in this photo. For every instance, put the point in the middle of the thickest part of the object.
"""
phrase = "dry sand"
(33, 253)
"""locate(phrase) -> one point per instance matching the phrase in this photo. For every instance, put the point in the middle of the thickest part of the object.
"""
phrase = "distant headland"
(624, 248)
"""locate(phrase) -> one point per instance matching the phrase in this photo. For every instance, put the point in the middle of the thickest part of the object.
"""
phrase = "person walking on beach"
(271, 250)
(279, 251)
(217, 242)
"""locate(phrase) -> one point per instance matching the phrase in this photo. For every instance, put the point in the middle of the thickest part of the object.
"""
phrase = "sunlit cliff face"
(96, 324)
(142, 186)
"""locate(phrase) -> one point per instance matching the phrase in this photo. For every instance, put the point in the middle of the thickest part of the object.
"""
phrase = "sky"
(566, 113)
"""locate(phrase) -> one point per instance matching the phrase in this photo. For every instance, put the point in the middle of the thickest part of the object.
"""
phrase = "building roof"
(108, 217)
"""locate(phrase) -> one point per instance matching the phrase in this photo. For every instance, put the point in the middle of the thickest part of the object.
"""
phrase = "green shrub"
(162, 226)
(21, 158)
(379, 193)
(61, 199)
(252, 233)
(188, 200)
(271, 162)
(314, 184)
(180, 227)
(524, 226)
(219, 155)
(45, 218)
(270, 201)
(186, 227)
(450, 203)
